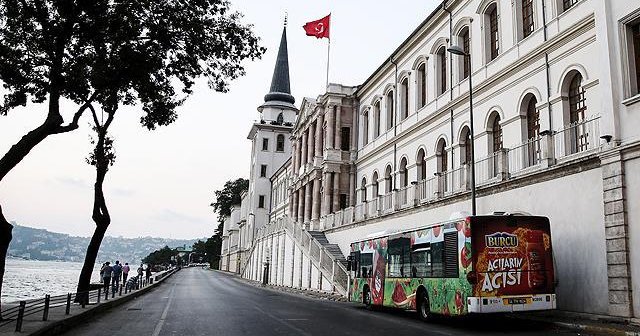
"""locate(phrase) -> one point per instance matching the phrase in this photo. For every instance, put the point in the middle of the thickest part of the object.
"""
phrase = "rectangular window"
(343, 201)
(466, 60)
(399, 257)
(566, 4)
(635, 30)
(494, 37)
(345, 139)
(366, 265)
(265, 144)
(261, 201)
(527, 18)
(263, 170)
(280, 143)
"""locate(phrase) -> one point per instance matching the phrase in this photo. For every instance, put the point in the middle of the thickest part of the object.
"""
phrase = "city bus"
(477, 264)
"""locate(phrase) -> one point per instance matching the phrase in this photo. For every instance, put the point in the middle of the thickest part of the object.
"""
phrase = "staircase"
(326, 257)
(333, 249)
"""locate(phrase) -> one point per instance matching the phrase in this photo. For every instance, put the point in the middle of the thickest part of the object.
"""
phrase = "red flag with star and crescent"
(318, 28)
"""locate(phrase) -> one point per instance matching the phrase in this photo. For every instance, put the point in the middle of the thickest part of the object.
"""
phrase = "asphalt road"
(200, 302)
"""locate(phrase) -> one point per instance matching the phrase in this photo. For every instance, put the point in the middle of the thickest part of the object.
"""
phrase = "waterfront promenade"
(203, 302)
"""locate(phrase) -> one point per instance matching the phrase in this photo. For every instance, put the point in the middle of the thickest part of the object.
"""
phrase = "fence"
(16, 314)
(526, 155)
(577, 137)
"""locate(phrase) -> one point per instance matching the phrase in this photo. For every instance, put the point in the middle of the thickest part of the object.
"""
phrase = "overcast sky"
(163, 180)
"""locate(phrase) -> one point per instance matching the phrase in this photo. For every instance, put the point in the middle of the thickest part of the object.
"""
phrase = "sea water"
(30, 279)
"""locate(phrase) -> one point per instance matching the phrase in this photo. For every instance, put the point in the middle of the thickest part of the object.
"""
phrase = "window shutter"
(451, 255)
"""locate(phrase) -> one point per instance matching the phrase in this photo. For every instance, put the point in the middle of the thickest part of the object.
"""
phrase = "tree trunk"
(5, 239)
(100, 211)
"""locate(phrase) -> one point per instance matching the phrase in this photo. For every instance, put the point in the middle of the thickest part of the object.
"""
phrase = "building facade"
(556, 115)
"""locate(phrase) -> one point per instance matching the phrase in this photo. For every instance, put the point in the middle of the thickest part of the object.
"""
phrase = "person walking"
(125, 272)
(117, 273)
(148, 273)
(140, 270)
(106, 275)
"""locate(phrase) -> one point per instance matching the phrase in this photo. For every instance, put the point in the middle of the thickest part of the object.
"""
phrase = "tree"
(226, 198)
(207, 250)
(112, 53)
(165, 255)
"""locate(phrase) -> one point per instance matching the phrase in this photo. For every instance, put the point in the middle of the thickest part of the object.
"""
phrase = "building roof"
(280, 91)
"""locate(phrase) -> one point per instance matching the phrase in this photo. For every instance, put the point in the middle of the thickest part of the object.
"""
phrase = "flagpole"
(328, 58)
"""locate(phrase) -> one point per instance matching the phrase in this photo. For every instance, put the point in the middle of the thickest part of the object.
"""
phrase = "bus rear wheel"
(424, 310)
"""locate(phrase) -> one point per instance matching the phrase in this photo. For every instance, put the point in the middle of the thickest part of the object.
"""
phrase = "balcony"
(573, 142)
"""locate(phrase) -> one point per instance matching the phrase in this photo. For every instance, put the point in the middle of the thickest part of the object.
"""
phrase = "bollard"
(121, 285)
(45, 313)
(85, 299)
(113, 291)
(68, 308)
(20, 316)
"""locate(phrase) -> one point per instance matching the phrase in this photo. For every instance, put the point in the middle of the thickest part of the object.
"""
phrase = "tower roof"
(280, 91)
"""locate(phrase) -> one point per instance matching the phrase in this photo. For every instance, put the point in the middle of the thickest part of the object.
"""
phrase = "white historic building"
(556, 115)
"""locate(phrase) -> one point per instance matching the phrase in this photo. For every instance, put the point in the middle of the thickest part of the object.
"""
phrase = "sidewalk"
(584, 323)
(58, 322)
(581, 322)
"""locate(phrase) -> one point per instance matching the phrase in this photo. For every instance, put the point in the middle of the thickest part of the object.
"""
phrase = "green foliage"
(208, 250)
(228, 197)
(164, 255)
(128, 52)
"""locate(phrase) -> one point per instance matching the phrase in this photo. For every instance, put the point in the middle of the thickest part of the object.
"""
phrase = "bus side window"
(421, 260)
(355, 262)
(399, 257)
(366, 265)
(437, 260)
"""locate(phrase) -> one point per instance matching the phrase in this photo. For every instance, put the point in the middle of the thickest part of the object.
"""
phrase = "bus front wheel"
(424, 310)
(366, 298)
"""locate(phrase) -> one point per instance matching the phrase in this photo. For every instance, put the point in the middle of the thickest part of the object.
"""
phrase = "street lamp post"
(456, 50)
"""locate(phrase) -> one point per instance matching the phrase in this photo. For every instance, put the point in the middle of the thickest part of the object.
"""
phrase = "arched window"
(421, 82)
(492, 34)
(376, 119)
(421, 165)
(390, 110)
(365, 128)
(495, 138)
(532, 122)
(533, 119)
(464, 65)
(376, 185)
(404, 173)
(404, 98)
(280, 119)
(280, 143)
(442, 70)
(496, 134)
(465, 156)
(441, 155)
(388, 180)
(577, 106)
(526, 11)
(363, 189)
(577, 109)
(443, 165)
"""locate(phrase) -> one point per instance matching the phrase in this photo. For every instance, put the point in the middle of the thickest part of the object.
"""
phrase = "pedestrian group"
(111, 275)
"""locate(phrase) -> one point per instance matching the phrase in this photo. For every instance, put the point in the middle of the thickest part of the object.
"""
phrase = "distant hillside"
(39, 244)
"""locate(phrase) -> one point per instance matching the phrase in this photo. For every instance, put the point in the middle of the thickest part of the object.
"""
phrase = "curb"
(583, 328)
(64, 325)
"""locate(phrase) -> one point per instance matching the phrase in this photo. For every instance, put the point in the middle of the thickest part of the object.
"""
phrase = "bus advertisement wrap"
(477, 264)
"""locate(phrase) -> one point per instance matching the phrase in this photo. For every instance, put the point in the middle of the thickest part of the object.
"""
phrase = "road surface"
(202, 302)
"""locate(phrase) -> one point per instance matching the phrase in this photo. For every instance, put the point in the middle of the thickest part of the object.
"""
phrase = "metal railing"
(387, 202)
(526, 155)
(427, 190)
(580, 136)
(17, 312)
(487, 169)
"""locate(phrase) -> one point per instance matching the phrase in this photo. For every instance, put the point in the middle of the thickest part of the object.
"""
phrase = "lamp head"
(454, 49)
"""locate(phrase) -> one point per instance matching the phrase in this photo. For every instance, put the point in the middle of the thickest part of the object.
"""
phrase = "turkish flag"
(318, 28)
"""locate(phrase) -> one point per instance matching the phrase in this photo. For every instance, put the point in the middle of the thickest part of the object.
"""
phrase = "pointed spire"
(280, 91)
